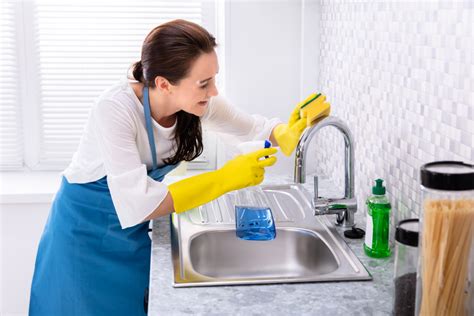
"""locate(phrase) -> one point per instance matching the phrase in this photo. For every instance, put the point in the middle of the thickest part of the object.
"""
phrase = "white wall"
(20, 229)
(1, 264)
(401, 75)
(263, 54)
(310, 47)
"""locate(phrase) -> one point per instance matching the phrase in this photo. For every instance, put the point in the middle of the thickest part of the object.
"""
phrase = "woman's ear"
(163, 84)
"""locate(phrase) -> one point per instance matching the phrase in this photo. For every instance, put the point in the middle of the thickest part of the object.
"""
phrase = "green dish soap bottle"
(377, 244)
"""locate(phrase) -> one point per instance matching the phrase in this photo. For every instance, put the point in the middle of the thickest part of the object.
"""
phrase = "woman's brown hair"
(169, 51)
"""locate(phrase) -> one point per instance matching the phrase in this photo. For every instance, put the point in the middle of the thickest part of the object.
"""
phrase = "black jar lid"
(447, 175)
(406, 232)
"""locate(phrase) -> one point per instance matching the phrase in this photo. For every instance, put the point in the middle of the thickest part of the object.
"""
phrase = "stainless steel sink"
(295, 253)
(206, 251)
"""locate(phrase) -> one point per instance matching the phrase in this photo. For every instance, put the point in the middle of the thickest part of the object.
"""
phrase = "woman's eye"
(203, 86)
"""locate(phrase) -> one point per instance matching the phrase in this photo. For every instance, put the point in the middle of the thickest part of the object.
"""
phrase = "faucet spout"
(346, 207)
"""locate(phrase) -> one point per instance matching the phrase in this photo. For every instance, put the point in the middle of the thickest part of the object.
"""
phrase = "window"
(11, 145)
(60, 57)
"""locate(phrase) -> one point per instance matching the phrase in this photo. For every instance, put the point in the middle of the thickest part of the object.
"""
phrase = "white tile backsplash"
(401, 75)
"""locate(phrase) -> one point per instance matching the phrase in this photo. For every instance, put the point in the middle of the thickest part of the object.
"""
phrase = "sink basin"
(294, 253)
(206, 251)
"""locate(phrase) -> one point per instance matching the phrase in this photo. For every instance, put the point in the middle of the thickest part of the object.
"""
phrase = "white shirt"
(115, 144)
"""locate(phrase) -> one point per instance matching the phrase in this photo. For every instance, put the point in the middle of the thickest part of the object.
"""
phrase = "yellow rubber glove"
(240, 172)
(288, 135)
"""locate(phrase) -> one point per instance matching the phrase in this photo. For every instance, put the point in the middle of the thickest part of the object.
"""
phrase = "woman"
(94, 255)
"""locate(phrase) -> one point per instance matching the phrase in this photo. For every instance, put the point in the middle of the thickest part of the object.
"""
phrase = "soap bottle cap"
(378, 189)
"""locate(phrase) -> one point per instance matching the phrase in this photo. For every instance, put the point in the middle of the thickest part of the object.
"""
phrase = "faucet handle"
(315, 184)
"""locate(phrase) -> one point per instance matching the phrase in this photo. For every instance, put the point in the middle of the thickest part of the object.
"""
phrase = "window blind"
(11, 144)
(84, 48)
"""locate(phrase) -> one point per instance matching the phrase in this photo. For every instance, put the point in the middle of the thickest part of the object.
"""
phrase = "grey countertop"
(329, 298)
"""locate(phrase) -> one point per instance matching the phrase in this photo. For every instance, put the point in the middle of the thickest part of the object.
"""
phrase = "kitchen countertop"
(329, 298)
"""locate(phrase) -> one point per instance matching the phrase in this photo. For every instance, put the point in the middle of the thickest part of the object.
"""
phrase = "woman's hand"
(247, 170)
(240, 172)
(288, 135)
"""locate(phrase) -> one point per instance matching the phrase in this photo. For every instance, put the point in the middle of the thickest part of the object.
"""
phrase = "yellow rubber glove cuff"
(240, 172)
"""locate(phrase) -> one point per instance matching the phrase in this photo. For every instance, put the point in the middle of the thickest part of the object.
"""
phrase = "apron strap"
(149, 126)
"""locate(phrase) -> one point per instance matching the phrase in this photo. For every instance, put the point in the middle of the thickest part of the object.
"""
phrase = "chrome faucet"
(345, 207)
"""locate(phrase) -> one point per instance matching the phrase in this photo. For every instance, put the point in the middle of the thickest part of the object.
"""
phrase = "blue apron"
(86, 263)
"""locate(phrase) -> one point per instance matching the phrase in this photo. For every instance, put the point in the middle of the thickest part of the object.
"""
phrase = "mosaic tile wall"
(401, 75)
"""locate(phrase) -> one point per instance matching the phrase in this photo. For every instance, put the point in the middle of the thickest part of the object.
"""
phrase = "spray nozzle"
(248, 147)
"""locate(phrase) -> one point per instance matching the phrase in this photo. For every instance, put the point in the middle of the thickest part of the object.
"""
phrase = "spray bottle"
(253, 216)
(248, 147)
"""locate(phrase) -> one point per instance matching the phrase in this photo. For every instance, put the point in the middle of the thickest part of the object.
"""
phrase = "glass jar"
(406, 257)
(446, 257)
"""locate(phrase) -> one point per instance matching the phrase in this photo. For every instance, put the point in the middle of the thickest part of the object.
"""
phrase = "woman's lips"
(203, 103)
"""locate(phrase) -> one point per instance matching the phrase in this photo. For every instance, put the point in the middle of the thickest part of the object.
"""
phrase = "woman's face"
(192, 94)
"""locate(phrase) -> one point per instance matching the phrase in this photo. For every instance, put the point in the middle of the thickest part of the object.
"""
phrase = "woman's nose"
(213, 91)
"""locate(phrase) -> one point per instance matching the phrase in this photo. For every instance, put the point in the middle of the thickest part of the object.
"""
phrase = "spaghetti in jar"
(446, 257)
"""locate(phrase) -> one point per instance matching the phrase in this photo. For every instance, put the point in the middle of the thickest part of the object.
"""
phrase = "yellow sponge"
(315, 108)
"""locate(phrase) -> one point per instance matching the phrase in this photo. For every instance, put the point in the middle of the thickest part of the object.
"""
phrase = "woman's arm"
(166, 207)
(272, 137)
(240, 172)
(236, 126)
(134, 194)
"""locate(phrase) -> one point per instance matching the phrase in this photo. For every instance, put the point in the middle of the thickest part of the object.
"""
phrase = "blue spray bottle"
(253, 216)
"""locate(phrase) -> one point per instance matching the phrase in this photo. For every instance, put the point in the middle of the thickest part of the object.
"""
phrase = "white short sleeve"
(135, 195)
(237, 126)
